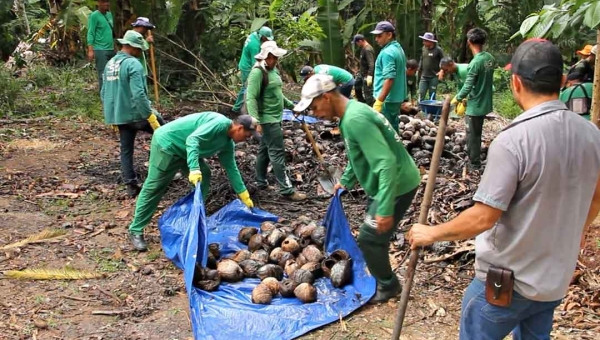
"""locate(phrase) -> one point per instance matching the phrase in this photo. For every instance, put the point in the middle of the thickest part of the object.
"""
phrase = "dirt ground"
(64, 174)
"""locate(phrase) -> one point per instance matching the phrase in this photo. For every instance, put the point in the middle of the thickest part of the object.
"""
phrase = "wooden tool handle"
(425, 204)
(153, 63)
(312, 141)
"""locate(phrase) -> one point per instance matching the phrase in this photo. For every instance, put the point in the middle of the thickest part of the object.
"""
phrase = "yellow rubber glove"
(245, 198)
(461, 109)
(454, 101)
(378, 105)
(195, 177)
(369, 80)
(153, 121)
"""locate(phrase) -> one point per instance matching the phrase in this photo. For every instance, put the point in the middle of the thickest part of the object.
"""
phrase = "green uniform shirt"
(376, 157)
(124, 93)
(461, 74)
(269, 108)
(100, 32)
(201, 135)
(575, 92)
(391, 64)
(478, 85)
(411, 84)
(430, 61)
(340, 76)
(251, 49)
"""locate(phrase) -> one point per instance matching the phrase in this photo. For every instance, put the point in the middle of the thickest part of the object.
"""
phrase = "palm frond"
(52, 274)
(45, 234)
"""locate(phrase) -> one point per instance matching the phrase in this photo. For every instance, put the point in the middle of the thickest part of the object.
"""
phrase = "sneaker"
(295, 197)
(138, 242)
(385, 294)
(133, 190)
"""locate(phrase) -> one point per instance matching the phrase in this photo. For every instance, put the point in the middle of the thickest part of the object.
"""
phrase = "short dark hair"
(477, 36)
(540, 87)
(446, 61)
(412, 64)
(576, 75)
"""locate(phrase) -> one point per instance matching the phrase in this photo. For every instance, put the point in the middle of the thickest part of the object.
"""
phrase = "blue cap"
(383, 26)
(358, 38)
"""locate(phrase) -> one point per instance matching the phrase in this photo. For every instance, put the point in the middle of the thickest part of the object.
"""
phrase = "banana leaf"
(328, 18)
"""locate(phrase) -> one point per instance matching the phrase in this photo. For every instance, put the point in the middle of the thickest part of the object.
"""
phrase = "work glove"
(369, 80)
(378, 105)
(153, 121)
(460, 109)
(245, 198)
(195, 177)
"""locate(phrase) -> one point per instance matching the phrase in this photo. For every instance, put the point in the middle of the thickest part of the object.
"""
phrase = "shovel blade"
(329, 178)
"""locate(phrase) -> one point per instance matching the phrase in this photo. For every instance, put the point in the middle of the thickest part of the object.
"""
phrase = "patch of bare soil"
(65, 174)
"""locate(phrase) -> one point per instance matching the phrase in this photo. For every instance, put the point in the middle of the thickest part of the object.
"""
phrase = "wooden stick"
(427, 198)
(111, 312)
(154, 77)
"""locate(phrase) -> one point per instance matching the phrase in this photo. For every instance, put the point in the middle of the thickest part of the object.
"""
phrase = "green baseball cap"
(134, 39)
(266, 32)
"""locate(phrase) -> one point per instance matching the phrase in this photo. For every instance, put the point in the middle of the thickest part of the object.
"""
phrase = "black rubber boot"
(133, 190)
(138, 242)
(384, 294)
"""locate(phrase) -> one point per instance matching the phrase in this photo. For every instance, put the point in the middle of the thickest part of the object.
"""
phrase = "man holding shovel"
(183, 144)
(539, 192)
(390, 74)
(265, 102)
(382, 166)
(142, 25)
(126, 104)
(250, 50)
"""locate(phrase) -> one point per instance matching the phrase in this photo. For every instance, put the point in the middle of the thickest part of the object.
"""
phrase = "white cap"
(595, 50)
(270, 47)
(314, 87)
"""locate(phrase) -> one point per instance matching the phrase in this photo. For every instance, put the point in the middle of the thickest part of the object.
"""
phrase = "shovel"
(427, 197)
(331, 175)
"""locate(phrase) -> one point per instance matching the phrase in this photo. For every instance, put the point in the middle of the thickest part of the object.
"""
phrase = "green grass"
(104, 260)
(505, 105)
(44, 90)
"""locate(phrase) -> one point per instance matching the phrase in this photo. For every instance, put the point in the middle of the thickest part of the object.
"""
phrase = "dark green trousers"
(375, 246)
(102, 57)
(475, 124)
(272, 150)
(391, 111)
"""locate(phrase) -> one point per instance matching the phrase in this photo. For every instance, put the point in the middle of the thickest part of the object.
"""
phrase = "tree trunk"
(596, 90)
(25, 19)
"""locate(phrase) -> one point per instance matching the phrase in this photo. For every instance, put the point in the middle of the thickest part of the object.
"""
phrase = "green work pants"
(162, 168)
(272, 149)
(475, 129)
(427, 87)
(102, 57)
(239, 102)
(391, 111)
(375, 246)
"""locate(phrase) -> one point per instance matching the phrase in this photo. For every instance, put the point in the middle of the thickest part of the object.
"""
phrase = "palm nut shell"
(303, 276)
(261, 256)
(306, 293)
(256, 242)
(286, 287)
(270, 270)
(229, 270)
(246, 233)
(290, 245)
(314, 268)
(241, 255)
(267, 226)
(272, 283)
(250, 267)
(312, 254)
(276, 238)
(318, 236)
(262, 294)
(341, 273)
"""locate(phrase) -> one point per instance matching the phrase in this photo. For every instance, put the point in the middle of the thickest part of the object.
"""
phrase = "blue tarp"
(289, 115)
(228, 313)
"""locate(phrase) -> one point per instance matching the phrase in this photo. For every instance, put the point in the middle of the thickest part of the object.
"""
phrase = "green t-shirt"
(201, 135)
(250, 50)
(461, 74)
(124, 93)
(377, 158)
(478, 85)
(269, 107)
(578, 91)
(100, 31)
(391, 64)
(340, 76)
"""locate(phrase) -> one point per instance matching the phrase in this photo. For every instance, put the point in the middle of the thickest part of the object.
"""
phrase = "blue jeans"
(527, 319)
